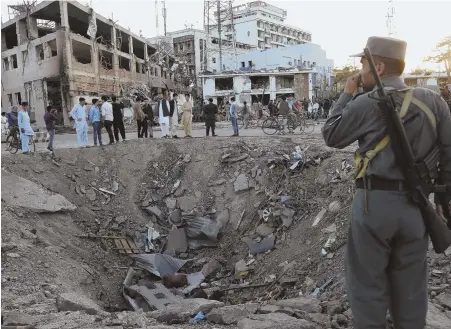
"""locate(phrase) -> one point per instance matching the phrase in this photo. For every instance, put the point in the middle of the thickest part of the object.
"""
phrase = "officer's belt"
(373, 183)
(361, 161)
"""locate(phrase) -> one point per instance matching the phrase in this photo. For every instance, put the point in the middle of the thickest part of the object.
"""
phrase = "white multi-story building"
(201, 54)
(262, 25)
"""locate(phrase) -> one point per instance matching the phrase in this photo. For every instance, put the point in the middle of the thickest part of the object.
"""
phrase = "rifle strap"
(361, 161)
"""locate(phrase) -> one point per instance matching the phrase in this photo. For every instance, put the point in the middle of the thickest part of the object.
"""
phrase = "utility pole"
(390, 18)
(156, 17)
(164, 16)
(218, 8)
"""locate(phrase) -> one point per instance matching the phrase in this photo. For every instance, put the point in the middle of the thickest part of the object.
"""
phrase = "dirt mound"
(283, 229)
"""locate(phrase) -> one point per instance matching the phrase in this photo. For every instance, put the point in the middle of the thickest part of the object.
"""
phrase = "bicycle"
(14, 143)
(275, 124)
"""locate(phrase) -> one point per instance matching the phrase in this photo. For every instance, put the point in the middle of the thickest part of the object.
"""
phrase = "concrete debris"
(238, 158)
(17, 319)
(260, 247)
(266, 309)
(444, 299)
(264, 230)
(184, 310)
(273, 321)
(175, 217)
(171, 203)
(330, 229)
(287, 216)
(231, 314)
(241, 183)
(115, 186)
(306, 304)
(223, 217)
(198, 244)
(211, 268)
(176, 242)
(15, 189)
(13, 255)
(146, 295)
(217, 182)
(158, 264)
(194, 281)
(254, 171)
(241, 269)
(334, 206)
(76, 302)
(153, 210)
(436, 319)
(187, 203)
(319, 217)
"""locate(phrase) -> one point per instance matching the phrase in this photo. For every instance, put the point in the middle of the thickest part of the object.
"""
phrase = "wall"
(29, 76)
(242, 29)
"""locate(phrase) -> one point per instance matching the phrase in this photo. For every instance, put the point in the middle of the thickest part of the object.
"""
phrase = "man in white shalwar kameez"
(164, 114)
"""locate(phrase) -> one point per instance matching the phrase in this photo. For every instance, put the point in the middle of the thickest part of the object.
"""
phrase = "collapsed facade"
(57, 51)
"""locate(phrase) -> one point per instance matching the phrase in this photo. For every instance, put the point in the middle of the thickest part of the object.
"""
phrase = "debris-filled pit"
(217, 232)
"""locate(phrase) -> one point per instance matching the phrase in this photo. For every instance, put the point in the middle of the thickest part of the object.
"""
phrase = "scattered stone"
(13, 255)
(217, 182)
(274, 321)
(444, 299)
(260, 247)
(319, 318)
(75, 302)
(16, 319)
(241, 268)
(264, 230)
(187, 158)
(241, 183)
(334, 206)
(88, 167)
(341, 319)
(334, 324)
(330, 229)
(240, 157)
(83, 189)
(231, 314)
(436, 319)
(306, 304)
(211, 268)
(176, 217)
(198, 194)
(187, 203)
(48, 294)
(287, 216)
(120, 219)
(91, 195)
(266, 309)
(176, 242)
(115, 186)
(179, 192)
(181, 312)
(319, 217)
(171, 203)
(153, 210)
(223, 217)
(254, 171)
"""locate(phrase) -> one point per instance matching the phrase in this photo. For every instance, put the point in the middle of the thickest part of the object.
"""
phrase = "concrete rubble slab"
(306, 304)
(241, 183)
(20, 192)
(231, 314)
(436, 319)
(260, 247)
(264, 230)
(274, 321)
(76, 302)
(177, 242)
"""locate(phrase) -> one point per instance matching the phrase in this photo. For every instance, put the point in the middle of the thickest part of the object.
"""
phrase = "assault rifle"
(416, 182)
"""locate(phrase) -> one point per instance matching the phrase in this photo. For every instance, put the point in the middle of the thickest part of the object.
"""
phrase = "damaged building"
(57, 51)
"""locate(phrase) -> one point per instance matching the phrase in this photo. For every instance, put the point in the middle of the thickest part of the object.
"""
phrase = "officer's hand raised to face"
(352, 84)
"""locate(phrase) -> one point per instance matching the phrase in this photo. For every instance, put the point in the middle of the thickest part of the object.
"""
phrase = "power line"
(390, 19)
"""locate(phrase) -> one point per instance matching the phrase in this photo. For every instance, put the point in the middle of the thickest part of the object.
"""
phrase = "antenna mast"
(164, 16)
(390, 18)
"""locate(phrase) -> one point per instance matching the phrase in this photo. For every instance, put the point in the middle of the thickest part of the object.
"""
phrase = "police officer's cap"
(385, 47)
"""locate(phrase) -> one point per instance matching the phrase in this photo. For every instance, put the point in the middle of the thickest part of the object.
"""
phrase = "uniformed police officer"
(386, 263)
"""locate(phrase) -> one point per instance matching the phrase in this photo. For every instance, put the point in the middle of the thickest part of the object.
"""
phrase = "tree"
(342, 74)
(442, 54)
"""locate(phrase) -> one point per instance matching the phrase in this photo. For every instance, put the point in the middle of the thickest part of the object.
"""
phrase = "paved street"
(224, 130)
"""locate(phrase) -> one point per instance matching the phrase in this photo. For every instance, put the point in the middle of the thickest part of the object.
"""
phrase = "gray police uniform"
(386, 257)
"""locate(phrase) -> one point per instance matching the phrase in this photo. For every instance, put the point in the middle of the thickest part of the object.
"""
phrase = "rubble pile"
(234, 233)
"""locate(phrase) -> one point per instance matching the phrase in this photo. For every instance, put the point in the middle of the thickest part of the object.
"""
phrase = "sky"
(340, 27)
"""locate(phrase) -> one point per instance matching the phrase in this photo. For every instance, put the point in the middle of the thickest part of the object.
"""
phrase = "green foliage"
(342, 74)
(442, 54)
